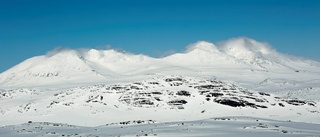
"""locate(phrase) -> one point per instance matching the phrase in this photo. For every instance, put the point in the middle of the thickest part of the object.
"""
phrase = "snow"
(238, 46)
(90, 88)
(237, 56)
(202, 45)
(221, 126)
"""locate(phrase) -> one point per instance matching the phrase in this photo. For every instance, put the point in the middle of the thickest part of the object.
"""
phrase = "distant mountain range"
(73, 66)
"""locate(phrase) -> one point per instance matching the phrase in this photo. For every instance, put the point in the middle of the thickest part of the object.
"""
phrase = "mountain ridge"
(238, 54)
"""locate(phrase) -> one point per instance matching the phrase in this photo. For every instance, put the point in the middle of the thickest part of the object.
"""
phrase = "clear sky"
(33, 27)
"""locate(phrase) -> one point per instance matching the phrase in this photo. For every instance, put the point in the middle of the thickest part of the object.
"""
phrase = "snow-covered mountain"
(66, 65)
(72, 66)
(237, 77)
(179, 97)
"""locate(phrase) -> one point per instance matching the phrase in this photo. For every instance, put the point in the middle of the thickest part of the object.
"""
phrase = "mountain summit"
(238, 46)
(202, 45)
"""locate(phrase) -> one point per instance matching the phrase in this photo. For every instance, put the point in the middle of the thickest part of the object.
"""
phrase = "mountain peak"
(203, 46)
(243, 45)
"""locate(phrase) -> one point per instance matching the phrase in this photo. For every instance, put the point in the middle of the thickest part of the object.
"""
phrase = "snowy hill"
(236, 78)
(262, 55)
(65, 65)
(179, 97)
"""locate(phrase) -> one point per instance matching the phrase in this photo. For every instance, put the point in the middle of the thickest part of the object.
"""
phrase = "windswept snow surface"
(222, 127)
(238, 78)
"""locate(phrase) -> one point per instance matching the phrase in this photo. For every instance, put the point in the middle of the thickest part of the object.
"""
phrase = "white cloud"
(231, 46)
(80, 51)
(57, 50)
(201, 45)
(244, 44)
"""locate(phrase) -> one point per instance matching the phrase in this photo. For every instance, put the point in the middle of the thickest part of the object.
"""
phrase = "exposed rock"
(183, 93)
(177, 102)
(235, 102)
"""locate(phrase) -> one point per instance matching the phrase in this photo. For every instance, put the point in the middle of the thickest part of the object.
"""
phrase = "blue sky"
(30, 27)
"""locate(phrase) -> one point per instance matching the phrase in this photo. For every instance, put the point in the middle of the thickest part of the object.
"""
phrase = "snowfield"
(239, 87)
(225, 127)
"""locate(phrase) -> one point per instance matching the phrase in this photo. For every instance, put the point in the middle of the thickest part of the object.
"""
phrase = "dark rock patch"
(295, 102)
(208, 86)
(280, 104)
(157, 98)
(311, 104)
(156, 93)
(173, 79)
(264, 94)
(229, 102)
(234, 102)
(213, 94)
(144, 102)
(202, 92)
(183, 93)
(177, 102)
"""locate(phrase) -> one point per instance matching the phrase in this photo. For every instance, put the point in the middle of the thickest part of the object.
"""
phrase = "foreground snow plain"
(225, 127)
(238, 87)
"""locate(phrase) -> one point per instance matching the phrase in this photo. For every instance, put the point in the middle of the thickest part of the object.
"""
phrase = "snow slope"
(66, 65)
